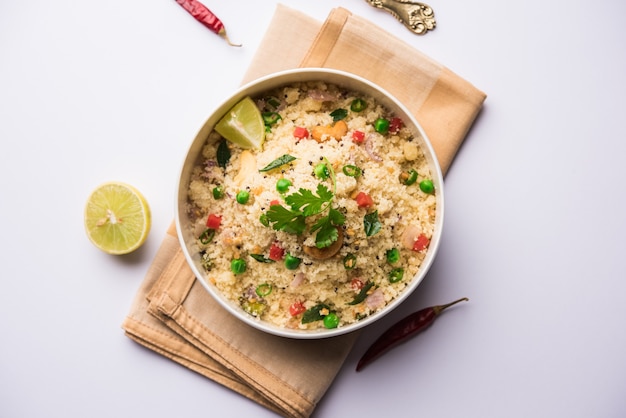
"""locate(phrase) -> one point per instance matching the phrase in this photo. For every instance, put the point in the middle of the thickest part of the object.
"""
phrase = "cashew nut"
(337, 131)
(247, 166)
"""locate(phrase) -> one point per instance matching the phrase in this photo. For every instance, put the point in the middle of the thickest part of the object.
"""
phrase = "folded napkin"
(172, 313)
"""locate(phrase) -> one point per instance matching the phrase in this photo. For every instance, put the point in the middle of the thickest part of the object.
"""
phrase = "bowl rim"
(285, 77)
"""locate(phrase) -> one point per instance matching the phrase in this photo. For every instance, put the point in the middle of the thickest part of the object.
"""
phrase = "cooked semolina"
(309, 248)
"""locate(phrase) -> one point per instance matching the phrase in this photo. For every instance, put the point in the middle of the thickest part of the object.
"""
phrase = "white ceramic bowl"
(255, 88)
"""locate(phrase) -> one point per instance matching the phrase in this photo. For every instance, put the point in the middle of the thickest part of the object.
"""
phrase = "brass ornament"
(417, 17)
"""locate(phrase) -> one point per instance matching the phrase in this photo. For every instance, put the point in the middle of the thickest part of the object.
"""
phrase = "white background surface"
(535, 211)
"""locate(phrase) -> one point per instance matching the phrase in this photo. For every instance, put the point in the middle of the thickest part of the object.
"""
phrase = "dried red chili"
(402, 330)
(203, 15)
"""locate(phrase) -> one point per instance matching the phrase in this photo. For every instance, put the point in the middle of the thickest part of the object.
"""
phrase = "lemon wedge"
(243, 125)
(117, 218)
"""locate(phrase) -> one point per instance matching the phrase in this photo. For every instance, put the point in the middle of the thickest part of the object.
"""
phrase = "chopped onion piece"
(409, 236)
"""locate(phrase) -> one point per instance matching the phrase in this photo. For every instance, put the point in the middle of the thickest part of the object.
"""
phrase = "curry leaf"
(371, 224)
(282, 160)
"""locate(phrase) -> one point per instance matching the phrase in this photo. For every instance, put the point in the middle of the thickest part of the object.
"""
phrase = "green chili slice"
(207, 236)
(409, 177)
(270, 118)
(352, 170)
(396, 275)
(358, 105)
(263, 289)
(254, 308)
(272, 102)
(349, 261)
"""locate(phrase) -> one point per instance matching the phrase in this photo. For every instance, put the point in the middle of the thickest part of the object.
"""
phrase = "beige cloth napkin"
(172, 313)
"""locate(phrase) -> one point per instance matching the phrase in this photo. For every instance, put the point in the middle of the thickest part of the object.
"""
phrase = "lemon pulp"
(117, 218)
(243, 125)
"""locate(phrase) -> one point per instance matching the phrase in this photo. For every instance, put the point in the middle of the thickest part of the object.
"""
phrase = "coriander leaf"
(338, 114)
(336, 217)
(326, 227)
(223, 153)
(315, 313)
(362, 294)
(371, 224)
(326, 235)
(282, 160)
(286, 220)
(307, 202)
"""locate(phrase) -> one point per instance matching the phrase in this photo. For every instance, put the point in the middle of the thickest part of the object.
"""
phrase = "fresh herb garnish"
(261, 258)
(371, 224)
(305, 203)
(223, 153)
(362, 294)
(325, 227)
(283, 219)
(282, 160)
(315, 313)
(339, 114)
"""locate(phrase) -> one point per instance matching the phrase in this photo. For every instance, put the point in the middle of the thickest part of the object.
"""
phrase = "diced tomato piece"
(358, 137)
(276, 252)
(300, 132)
(395, 125)
(421, 243)
(275, 202)
(213, 221)
(364, 200)
(297, 308)
(356, 284)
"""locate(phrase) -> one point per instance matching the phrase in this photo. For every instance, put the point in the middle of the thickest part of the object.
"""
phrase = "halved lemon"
(117, 218)
(243, 125)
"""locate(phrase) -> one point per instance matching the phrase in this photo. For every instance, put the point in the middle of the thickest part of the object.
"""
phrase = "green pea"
(292, 262)
(282, 185)
(238, 266)
(331, 320)
(381, 125)
(321, 171)
(243, 197)
(396, 275)
(427, 186)
(409, 177)
(393, 255)
(218, 192)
